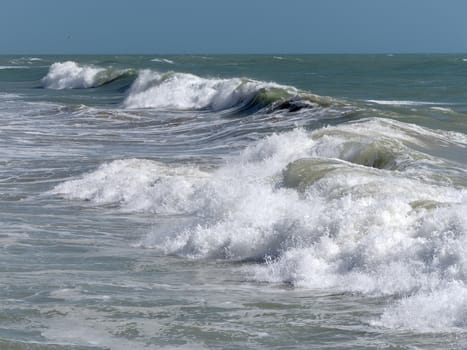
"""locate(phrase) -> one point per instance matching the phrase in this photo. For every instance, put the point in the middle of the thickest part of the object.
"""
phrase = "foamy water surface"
(232, 202)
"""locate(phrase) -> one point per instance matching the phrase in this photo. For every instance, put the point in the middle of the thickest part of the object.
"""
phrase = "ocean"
(233, 202)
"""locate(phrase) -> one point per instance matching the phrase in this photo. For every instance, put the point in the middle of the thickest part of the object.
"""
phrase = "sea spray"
(183, 91)
(72, 75)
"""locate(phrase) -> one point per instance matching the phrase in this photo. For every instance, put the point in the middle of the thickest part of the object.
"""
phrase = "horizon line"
(234, 54)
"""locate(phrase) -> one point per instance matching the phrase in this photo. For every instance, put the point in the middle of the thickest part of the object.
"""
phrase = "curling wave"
(72, 75)
(182, 91)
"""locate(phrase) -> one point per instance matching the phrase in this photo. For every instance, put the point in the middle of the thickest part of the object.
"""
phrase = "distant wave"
(13, 67)
(25, 60)
(162, 60)
(182, 91)
(72, 75)
(402, 103)
(443, 109)
(8, 96)
(286, 58)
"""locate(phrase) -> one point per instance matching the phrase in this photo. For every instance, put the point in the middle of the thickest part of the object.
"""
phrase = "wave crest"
(183, 91)
(71, 75)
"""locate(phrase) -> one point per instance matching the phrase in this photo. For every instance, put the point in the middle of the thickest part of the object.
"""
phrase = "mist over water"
(233, 202)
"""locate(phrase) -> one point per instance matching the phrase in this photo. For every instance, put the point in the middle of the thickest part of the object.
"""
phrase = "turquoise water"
(226, 202)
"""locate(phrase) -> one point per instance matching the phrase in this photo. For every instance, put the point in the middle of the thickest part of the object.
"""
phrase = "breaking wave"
(13, 67)
(162, 60)
(402, 103)
(364, 207)
(182, 91)
(72, 75)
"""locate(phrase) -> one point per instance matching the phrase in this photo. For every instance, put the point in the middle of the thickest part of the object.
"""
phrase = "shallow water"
(195, 202)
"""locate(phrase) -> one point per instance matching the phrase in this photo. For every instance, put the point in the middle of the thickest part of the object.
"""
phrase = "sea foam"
(402, 103)
(317, 211)
(162, 60)
(72, 75)
(139, 185)
(13, 67)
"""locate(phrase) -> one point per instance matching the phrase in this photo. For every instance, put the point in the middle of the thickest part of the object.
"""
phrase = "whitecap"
(8, 96)
(72, 75)
(442, 109)
(401, 102)
(183, 91)
(163, 60)
(14, 67)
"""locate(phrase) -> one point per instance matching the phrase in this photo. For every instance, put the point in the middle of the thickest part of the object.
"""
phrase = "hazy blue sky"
(234, 26)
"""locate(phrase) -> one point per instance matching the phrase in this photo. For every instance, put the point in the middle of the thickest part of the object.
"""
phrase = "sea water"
(233, 202)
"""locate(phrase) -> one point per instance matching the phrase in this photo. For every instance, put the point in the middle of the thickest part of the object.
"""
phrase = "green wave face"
(110, 75)
(302, 173)
(288, 99)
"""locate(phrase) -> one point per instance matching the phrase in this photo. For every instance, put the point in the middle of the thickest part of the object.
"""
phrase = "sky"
(234, 26)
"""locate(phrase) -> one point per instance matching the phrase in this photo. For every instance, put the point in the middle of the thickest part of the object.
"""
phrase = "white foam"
(352, 228)
(442, 310)
(402, 103)
(72, 75)
(67, 294)
(183, 91)
(138, 185)
(442, 109)
(88, 328)
(23, 60)
(8, 96)
(163, 60)
(379, 128)
(13, 67)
